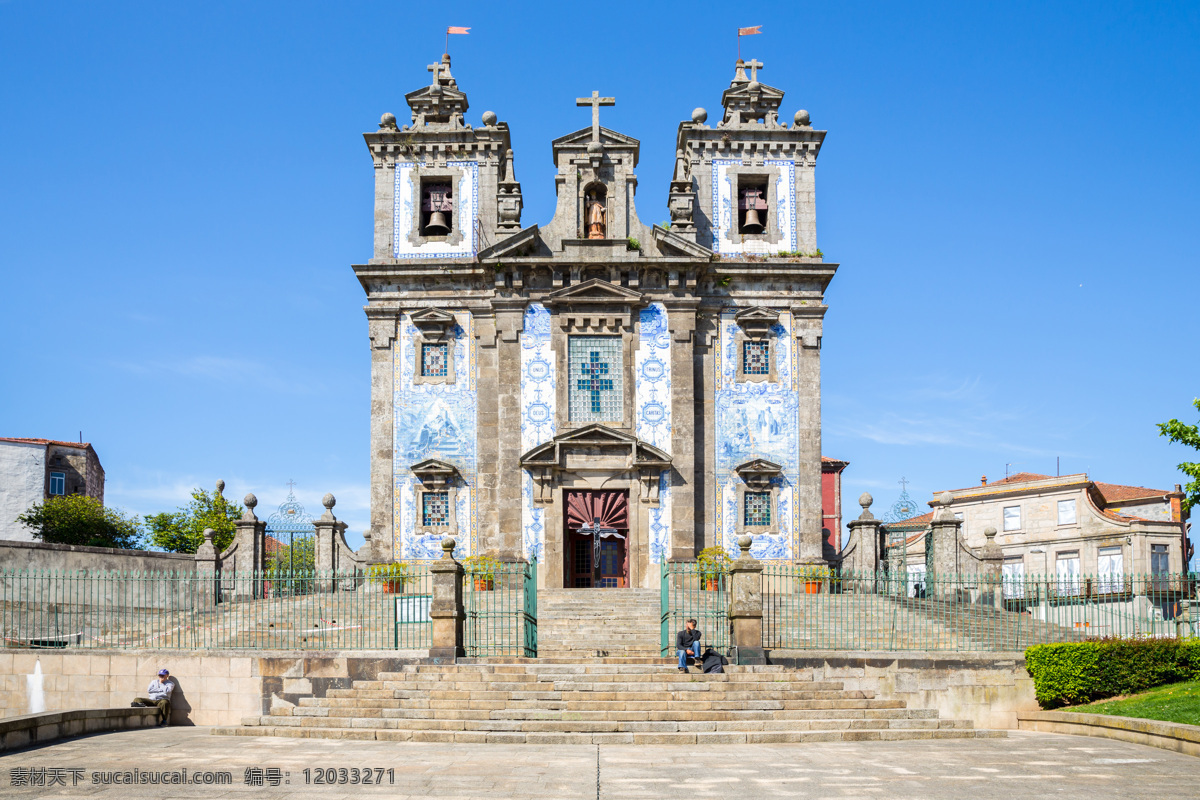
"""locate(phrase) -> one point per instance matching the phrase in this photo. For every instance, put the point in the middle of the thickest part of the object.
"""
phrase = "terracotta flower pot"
(812, 587)
(712, 584)
(394, 587)
(483, 584)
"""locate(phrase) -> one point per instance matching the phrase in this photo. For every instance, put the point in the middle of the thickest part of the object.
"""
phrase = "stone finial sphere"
(989, 531)
(699, 115)
(802, 118)
(945, 498)
(448, 545)
(754, 86)
(745, 542)
(865, 500)
(329, 501)
(220, 486)
(250, 501)
(489, 118)
(208, 534)
(388, 120)
(595, 147)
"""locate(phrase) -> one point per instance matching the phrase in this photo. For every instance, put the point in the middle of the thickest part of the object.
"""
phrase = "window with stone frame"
(752, 205)
(1012, 518)
(435, 509)
(435, 359)
(756, 357)
(1066, 512)
(756, 509)
(596, 379)
(58, 483)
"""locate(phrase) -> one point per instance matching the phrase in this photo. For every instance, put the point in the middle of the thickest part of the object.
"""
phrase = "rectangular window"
(1067, 567)
(435, 509)
(916, 580)
(58, 483)
(755, 358)
(1159, 559)
(1012, 518)
(1014, 577)
(757, 509)
(1109, 569)
(752, 205)
(1066, 512)
(433, 359)
(596, 392)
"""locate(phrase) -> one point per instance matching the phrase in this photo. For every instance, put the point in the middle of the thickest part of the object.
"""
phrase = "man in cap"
(159, 696)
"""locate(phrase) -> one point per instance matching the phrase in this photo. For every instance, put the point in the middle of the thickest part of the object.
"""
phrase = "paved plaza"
(1025, 765)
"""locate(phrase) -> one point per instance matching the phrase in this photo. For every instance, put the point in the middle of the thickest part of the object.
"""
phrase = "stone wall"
(989, 688)
(73, 558)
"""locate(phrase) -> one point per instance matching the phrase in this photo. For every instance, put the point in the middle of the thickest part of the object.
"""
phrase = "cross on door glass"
(592, 382)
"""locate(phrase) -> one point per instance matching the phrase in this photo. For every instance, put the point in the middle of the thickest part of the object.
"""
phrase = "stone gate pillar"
(941, 560)
(446, 606)
(865, 558)
(248, 550)
(746, 605)
(328, 533)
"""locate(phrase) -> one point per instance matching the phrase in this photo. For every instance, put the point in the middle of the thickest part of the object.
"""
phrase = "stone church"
(596, 393)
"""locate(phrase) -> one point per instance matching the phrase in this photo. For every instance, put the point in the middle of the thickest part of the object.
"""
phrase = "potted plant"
(482, 569)
(392, 576)
(812, 576)
(711, 564)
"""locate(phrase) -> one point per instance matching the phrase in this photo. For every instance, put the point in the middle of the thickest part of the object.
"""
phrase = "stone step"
(681, 737)
(617, 726)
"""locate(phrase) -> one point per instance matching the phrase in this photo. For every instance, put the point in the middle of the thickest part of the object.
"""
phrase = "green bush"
(1081, 672)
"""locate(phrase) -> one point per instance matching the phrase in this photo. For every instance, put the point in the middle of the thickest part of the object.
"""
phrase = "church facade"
(596, 393)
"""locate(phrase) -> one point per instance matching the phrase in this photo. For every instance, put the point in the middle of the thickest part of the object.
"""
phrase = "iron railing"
(689, 591)
(501, 607)
(266, 610)
(889, 611)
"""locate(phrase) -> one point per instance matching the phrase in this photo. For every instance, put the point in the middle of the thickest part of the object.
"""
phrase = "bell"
(752, 223)
(437, 225)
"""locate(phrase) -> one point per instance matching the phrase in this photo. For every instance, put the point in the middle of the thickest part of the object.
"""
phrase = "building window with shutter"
(1012, 518)
(1066, 512)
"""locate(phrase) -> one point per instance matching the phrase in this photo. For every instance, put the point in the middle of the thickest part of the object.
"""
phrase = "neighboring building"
(32, 470)
(831, 503)
(1064, 526)
(534, 386)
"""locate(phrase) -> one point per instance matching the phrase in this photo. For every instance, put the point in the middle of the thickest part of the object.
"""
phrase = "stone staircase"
(590, 623)
(603, 701)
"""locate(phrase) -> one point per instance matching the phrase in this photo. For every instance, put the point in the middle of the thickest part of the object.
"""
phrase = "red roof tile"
(924, 519)
(1116, 493)
(23, 440)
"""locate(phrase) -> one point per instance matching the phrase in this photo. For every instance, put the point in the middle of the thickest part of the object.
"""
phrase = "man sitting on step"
(687, 642)
(160, 696)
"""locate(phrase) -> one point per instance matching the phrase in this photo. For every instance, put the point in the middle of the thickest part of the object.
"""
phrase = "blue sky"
(1010, 188)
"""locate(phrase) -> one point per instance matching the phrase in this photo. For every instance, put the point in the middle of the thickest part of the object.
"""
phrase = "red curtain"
(611, 508)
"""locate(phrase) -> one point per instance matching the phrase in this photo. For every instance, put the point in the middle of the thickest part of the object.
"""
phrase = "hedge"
(1081, 672)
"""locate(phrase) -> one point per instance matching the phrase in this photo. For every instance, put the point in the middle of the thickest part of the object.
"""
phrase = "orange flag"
(457, 30)
(749, 31)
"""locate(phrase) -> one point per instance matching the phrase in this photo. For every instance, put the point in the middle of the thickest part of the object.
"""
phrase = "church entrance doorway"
(597, 539)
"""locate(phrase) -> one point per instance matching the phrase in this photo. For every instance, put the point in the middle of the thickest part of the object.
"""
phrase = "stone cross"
(755, 65)
(595, 101)
(435, 68)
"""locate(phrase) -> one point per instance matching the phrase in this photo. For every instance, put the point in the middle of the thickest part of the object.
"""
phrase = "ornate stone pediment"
(595, 447)
(756, 321)
(595, 305)
(434, 473)
(519, 242)
(758, 472)
(434, 323)
(608, 138)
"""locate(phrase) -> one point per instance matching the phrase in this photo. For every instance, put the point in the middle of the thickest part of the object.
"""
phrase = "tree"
(182, 531)
(82, 520)
(1188, 435)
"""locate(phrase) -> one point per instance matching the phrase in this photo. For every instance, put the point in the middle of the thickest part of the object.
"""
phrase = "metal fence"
(501, 607)
(268, 610)
(888, 611)
(688, 591)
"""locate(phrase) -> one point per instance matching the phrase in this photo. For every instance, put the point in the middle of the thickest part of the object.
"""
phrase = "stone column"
(328, 533)
(249, 551)
(807, 333)
(746, 605)
(682, 324)
(487, 425)
(207, 562)
(991, 563)
(941, 563)
(510, 321)
(865, 558)
(446, 606)
(381, 324)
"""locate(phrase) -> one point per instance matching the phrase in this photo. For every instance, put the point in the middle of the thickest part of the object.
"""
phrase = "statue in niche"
(597, 214)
